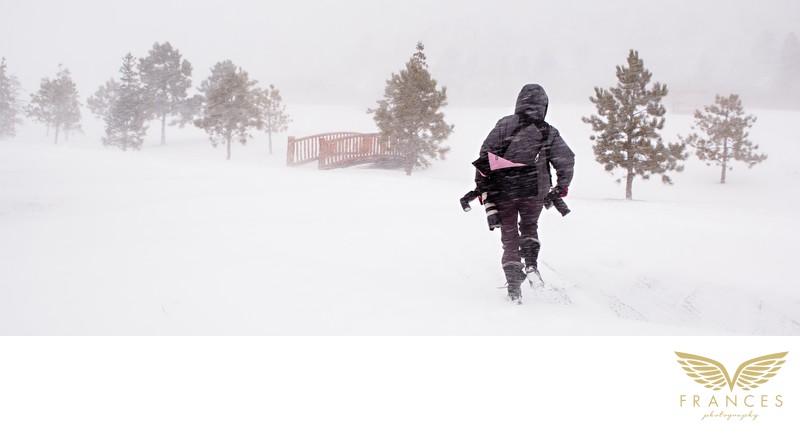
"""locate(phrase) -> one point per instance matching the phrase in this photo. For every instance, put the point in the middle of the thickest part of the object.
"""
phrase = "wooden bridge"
(342, 149)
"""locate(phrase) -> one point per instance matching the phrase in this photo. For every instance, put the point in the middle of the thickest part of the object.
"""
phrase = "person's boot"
(514, 276)
(515, 292)
(529, 250)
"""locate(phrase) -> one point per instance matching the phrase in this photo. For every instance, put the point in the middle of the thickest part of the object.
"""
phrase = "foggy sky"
(342, 52)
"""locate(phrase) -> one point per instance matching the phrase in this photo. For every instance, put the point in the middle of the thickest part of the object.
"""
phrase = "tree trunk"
(410, 157)
(164, 129)
(722, 176)
(269, 133)
(631, 172)
(629, 185)
(724, 161)
(57, 127)
(229, 148)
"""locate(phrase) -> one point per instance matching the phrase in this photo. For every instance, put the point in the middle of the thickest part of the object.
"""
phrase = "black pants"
(519, 220)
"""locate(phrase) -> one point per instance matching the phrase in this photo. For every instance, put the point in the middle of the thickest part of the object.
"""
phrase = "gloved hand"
(561, 191)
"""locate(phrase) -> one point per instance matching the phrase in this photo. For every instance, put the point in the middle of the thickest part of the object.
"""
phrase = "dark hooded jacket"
(515, 158)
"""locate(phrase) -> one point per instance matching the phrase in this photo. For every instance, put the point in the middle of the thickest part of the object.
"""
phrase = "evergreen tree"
(629, 117)
(273, 112)
(69, 113)
(57, 104)
(101, 102)
(188, 110)
(127, 114)
(410, 116)
(9, 106)
(230, 108)
(166, 77)
(41, 106)
(724, 125)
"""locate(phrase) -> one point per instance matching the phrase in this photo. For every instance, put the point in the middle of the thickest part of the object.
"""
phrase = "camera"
(492, 216)
(553, 199)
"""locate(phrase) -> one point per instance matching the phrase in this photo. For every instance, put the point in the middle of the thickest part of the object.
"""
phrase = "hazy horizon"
(342, 53)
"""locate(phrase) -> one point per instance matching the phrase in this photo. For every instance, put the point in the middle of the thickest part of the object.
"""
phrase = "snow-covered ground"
(176, 240)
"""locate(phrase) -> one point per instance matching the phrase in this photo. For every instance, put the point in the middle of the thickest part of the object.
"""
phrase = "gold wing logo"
(750, 375)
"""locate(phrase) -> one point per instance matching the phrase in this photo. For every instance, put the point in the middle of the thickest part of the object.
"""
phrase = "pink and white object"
(496, 162)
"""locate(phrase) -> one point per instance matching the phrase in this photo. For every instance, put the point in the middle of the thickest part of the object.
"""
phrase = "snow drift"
(174, 240)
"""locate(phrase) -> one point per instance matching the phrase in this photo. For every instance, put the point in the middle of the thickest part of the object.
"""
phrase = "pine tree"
(273, 113)
(127, 114)
(9, 106)
(230, 108)
(629, 117)
(188, 110)
(69, 113)
(41, 106)
(166, 77)
(410, 116)
(724, 125)
(56, 104)
(101, 102)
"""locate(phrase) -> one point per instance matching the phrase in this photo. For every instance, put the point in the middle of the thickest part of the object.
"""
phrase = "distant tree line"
(228, 104)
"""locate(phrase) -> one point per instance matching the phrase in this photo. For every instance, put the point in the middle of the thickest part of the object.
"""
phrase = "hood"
(532, 102)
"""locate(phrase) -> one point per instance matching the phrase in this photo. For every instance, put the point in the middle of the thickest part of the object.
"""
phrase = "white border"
(372, 384)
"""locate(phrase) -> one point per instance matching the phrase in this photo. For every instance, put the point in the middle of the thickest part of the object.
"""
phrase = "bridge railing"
(306, 149)
(350, 150)
(340, 149)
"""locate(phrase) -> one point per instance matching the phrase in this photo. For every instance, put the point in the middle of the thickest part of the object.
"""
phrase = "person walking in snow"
(513, 177)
